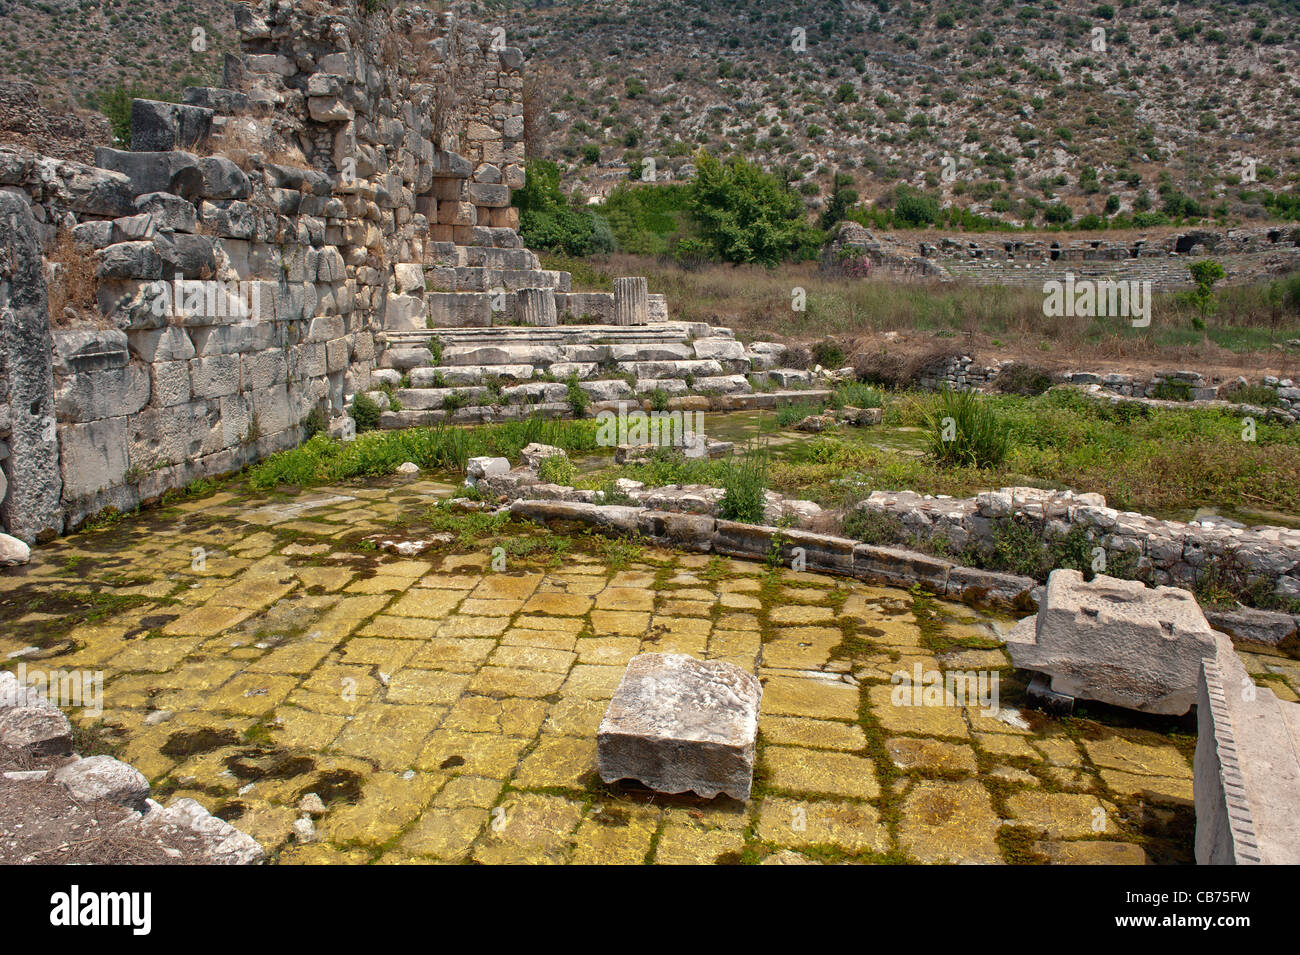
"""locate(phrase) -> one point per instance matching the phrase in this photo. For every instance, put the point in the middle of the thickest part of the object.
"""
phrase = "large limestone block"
(31, 507)
(501, 354)
(149, 171)
(1246, 781)
(94, 456)
(722, 349)
(158, 127)
(1116, 641)
(103, 777)
(678, 724)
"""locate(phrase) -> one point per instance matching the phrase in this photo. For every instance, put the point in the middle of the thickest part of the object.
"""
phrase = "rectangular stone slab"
(678, 724)
(1117, 641)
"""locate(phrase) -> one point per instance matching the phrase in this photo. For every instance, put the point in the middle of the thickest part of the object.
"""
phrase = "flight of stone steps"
(468, 375)
(481, 332)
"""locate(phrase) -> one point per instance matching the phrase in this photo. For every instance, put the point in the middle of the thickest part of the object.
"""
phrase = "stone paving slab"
(444, 712)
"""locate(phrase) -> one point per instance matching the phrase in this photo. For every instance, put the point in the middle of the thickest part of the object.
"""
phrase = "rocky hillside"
(1003, 107)
(1027, 112)
(78, 51)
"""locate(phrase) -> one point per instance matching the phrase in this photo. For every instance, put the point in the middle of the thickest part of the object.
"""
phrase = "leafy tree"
(913, 209)
(747, 215)
(547, 221)
(843, 198)
(115, 103)
(645, 217)
(1204, 273)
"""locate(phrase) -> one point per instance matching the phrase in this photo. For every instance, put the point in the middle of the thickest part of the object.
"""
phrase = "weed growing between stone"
(964, 430)
(744, 482)
(323, 460)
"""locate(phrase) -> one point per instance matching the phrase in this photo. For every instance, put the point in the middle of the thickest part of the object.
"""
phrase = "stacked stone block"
(347, 187)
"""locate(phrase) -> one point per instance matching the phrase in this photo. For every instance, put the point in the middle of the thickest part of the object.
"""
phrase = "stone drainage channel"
(341, 703)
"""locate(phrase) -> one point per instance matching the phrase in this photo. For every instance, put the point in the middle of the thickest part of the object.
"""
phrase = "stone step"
(532, 399)
(662, 332)
(479, 309)
(470, 279)
(450, 255)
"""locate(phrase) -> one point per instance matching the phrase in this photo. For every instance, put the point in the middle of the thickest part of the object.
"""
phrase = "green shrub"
(576, 397)
(965, 431)
(794, 356)
(365, 412)
(855, 394)
(1261, 396)
(744, 481)
(747, 215)
(115, 103)
(314, 423)
(557, 469)
(828, 354)
(548, 222)
(658, 399)
(444, 448)
(795, 411)
(1172, 391)
(1021, 379)
(873, 527)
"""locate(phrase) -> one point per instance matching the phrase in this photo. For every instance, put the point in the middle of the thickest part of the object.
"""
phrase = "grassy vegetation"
(744, 481)
(757, 302)
(323, 461)
(964, 430)
(1156, 461)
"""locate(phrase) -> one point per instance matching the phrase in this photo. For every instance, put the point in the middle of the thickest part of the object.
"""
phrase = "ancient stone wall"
(248, 251)
(29, 480)
(1018, 260)
(1168, 389)
(1163, 552)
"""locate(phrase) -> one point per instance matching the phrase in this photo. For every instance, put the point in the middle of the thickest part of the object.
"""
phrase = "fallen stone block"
(13, 552)
(30, 723)
(986, 588)
(1116, 641)
(476, 468)
(1246, 771)
(534, 454)
(677, 724)
(103, 777)
(222, 843)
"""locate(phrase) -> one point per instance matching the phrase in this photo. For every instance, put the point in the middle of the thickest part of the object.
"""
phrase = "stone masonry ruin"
(334, 220)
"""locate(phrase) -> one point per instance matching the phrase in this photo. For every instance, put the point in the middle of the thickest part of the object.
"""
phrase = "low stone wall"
(1160, 256)
(1160, 552)
(704, 533)
(1186, 389)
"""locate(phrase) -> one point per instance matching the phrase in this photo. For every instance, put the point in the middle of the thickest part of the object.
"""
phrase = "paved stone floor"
(254, 650)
